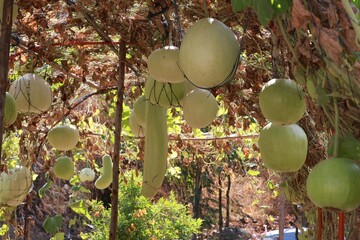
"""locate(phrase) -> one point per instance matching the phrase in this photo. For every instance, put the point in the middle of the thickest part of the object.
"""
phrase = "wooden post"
(319, 224)
(116, 155)
(5, 39)
(341, 227)
(282, 216)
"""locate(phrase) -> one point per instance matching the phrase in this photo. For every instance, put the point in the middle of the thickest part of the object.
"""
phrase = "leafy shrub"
(140, 219)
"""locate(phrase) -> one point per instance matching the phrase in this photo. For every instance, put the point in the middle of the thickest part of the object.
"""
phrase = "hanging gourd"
(10, 111)
(139, 109)
(64, 168)
(283, 148)
(32, 93)
(282, 101)
(63, 137)
(209, 53)
(87, 174)
(163, 65)
(164, 94)
(15, 185)
(335, 183)
(200, 108)
(135, 127)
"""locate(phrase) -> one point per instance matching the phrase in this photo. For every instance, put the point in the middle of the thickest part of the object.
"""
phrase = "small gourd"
(105, 179)
(64, 168)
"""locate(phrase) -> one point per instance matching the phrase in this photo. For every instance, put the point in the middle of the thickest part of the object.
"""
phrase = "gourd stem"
(205, 7)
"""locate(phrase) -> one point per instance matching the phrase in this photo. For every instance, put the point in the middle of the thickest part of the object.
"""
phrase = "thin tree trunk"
(227, 221)
(5, 39)
(197, 193)
(221, 222)
(116, 155)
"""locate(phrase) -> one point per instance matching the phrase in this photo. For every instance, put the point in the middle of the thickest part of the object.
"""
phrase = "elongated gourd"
(156, 149)
(105, 179)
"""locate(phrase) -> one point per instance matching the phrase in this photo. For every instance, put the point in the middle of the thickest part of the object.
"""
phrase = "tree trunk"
(118, 123)
(221, 222)
(197, 193)
(227, 221)
(5, 38)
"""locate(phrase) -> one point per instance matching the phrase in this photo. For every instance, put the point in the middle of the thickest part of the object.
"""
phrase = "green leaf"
(45, 187)
(264, 11)
(80, 207)
(51, 224)
(238, 5)
(253, 172)
(356, 3)
(281, 6)
(58, 236)
(4, 229)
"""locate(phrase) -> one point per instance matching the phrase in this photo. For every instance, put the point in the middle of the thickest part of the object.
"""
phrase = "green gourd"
(156, 149)
(105, 179)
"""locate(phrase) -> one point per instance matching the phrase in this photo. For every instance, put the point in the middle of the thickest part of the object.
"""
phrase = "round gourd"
(135, 126)
(64, 168)
(164, 94)
(335, 183)
(282, 101)
(163, 65)
(199, 108)
(64, 137)
(10, 111)
(32, 93)
(139, 109)
(15, 185)
(283, 148)
(105, 179)
(209, 53)
(87, 174)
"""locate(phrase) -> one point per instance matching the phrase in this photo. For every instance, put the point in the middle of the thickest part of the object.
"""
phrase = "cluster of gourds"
(283, 144)
(32, 94)
(208, 57)
(332, 183)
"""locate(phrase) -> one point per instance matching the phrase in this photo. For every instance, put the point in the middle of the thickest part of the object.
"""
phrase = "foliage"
(265, 9)
(141, 219)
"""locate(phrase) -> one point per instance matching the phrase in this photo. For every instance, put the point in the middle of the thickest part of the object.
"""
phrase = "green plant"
(139, 218)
